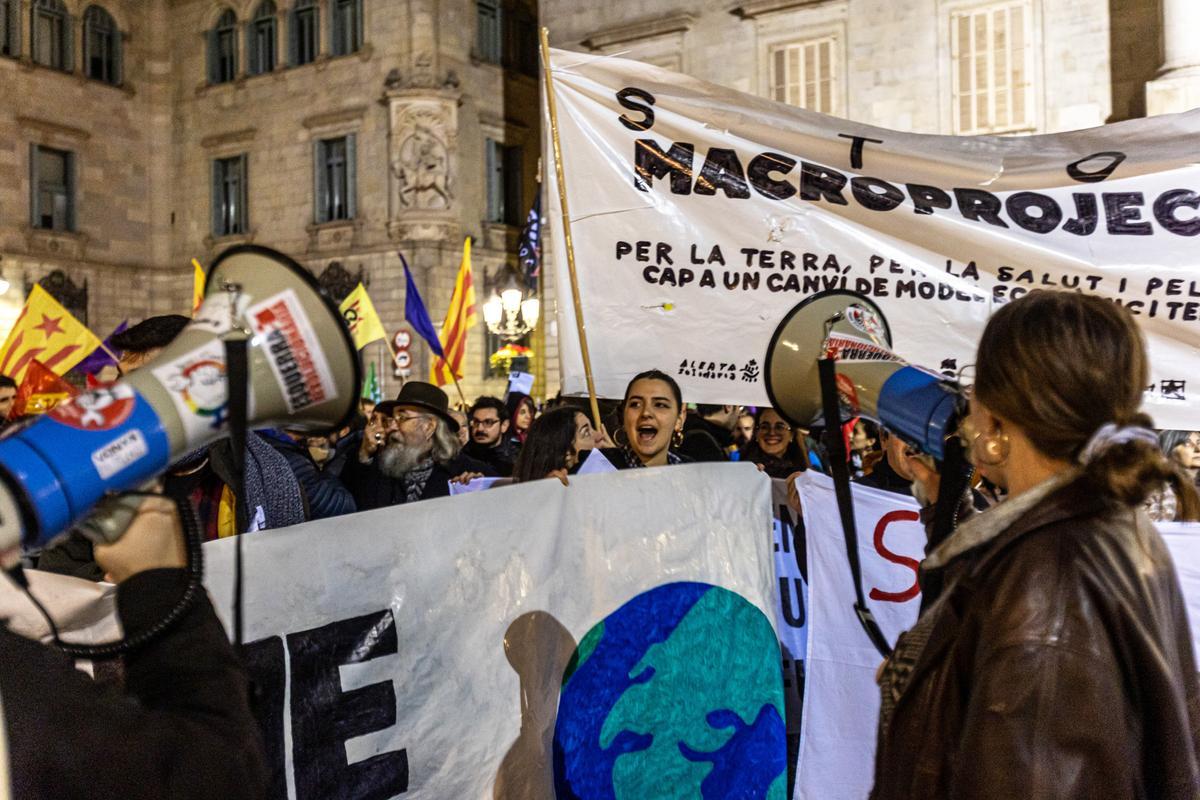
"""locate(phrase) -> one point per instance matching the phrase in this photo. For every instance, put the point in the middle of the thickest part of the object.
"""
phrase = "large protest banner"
(701, 215)
(421, 650)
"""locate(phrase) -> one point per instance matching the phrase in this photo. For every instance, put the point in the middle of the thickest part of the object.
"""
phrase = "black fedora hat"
(421, 395)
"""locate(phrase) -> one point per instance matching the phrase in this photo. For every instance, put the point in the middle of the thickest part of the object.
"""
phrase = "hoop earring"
(620, 438)
(992, 450)
(677, 439)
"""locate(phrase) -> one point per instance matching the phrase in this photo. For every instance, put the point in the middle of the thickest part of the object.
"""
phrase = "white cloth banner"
(702, 215)
(841, 700)
(430, 640)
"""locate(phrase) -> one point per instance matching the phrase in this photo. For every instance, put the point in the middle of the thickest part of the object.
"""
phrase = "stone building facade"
(342, 132)
(927, 66)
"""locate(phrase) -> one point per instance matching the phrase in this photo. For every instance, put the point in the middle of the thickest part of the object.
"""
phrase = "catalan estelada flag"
(361, 317)
(459, 318)
(45, 331)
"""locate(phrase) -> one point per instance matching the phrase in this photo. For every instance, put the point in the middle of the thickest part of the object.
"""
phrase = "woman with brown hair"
(773, 449)
(1057, 661)
(652, 416)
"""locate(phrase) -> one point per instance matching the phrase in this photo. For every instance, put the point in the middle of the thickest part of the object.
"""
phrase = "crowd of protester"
(417, 445)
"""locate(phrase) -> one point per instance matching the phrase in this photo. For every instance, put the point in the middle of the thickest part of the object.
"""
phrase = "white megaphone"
(919, 405)
(303, 372)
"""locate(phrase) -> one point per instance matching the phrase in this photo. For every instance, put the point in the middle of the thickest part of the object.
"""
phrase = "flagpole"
(566, 223)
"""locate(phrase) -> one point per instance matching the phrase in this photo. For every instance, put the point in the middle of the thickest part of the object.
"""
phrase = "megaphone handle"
(237, 371)
(836, 447)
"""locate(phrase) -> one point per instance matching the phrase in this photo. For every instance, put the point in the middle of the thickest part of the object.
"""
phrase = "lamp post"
(509, 313)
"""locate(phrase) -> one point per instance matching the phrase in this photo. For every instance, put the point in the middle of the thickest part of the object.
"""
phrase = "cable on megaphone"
(830, 359)
(303, 372)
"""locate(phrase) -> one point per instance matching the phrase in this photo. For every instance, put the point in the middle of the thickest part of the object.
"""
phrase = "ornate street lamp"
(508, 313)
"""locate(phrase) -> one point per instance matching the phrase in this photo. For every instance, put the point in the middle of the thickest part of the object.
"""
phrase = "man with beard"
(488, 421)
(419, 457)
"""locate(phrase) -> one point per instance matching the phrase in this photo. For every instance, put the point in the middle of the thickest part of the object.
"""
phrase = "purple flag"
(99, 359)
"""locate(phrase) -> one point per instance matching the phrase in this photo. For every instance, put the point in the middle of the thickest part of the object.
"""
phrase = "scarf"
(415, 480)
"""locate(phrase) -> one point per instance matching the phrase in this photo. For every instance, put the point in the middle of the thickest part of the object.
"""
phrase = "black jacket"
(372, 489)
(704, 440)
(183, 730)
(500, 458)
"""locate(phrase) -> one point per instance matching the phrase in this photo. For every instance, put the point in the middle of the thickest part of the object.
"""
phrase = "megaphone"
(917, 404)
(303, 372)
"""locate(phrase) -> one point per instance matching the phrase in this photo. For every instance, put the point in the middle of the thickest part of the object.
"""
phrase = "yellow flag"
(359, 313)
(197, 285)
(45, 331)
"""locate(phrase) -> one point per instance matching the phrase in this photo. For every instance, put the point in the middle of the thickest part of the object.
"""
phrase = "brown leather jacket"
(1059, 664)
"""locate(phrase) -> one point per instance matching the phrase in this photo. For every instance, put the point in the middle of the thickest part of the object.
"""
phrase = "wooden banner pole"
(566, 225)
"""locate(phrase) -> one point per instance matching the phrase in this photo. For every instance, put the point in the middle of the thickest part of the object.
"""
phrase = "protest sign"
(701, 215)
(420, 651)
(841, 700)
(791, 612)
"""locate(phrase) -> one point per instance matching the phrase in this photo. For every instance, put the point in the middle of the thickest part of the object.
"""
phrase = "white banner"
(422, 649)
(841, 700)
(791, 612)
(701, 215)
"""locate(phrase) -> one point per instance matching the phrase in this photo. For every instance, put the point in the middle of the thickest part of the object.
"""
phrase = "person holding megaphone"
(1057, 660)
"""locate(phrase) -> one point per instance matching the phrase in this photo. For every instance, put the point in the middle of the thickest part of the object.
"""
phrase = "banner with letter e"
(613, 637)
(701, 215)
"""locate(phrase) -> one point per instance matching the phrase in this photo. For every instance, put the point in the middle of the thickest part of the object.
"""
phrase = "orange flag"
(460, 318)
(41, 391)
(47, 332)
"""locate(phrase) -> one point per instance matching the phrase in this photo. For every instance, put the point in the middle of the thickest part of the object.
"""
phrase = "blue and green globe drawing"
(677, 694)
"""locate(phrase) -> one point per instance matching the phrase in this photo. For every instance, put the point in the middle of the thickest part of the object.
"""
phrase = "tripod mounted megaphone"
(831, 359)
(303, 371)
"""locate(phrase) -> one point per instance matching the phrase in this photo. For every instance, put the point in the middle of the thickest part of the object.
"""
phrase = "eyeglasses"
(484, 423)
(403, 418)
(778, 427)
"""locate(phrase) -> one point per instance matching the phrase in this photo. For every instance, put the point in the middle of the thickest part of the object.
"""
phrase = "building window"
(101, 46)
(10, 28)
(303, 33)
(805, 74)
(52, 180)
(504, 173)
(260, 40)
(229, 196)
(222, 49)
(346, 26)
(520, 40)
(991, 68)
(51, 35)
(489, 33)
(334, 179)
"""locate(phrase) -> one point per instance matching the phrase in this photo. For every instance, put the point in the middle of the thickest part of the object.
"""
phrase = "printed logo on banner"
(847, 348)
(98, 410)
(293, 351)
(865, 320)
(196, 383)
(675, 694)
(120, 453)
(848, 392)
(217, 316)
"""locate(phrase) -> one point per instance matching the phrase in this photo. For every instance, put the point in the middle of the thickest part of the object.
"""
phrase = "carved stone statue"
(423, 170)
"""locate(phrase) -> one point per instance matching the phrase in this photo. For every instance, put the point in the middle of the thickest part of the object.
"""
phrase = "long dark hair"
(794, 458)
(1060, 365)
(514, 403)
(550, 441)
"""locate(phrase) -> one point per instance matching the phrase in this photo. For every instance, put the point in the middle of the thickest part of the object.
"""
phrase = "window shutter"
(69, 180)
(213, 68)
(358, 24)
(293, 38)
(253, 57)
(513, 201)
(244, 185)
(34, 193)
(490, 178)
(68, 44)
(320, 190)
(351, 177)
(118, 66)
(333, 26)
(217, 229)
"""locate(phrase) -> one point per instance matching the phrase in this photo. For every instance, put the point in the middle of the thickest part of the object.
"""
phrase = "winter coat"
(372, 489)
(325, 494)
(1057, 661)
